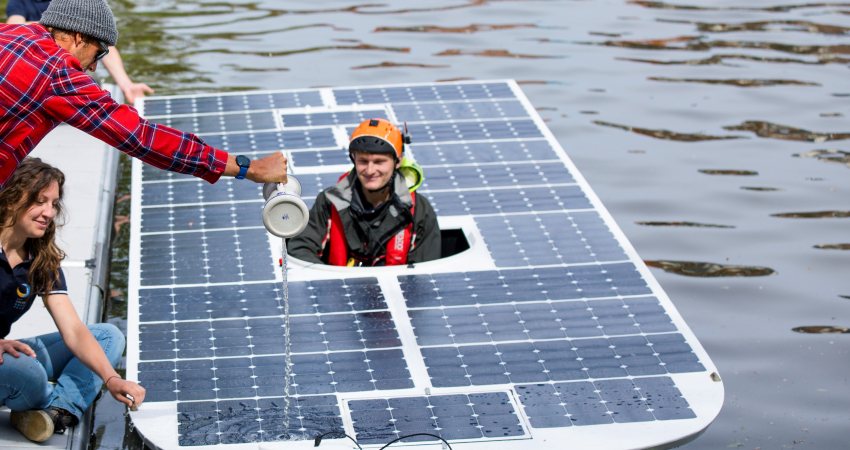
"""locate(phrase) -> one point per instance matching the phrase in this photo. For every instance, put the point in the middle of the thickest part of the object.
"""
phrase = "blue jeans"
(24, 380)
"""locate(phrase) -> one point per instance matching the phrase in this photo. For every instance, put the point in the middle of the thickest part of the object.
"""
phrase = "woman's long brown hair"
(20, 192)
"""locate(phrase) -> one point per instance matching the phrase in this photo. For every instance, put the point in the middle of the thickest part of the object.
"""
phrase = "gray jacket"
(367, 231)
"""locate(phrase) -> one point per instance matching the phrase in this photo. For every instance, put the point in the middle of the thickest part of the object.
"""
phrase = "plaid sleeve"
(77, 100)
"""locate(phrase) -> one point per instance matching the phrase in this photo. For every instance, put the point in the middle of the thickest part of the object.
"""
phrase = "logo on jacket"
(24, 291)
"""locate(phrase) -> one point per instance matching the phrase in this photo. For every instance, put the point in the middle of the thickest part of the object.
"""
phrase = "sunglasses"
(104, 50)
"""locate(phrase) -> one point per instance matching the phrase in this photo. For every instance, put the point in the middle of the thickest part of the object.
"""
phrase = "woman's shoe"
(38, 425)
(35, 424)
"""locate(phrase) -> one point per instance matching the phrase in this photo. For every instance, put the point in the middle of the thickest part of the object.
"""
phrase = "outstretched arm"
(115, 66)
(83, 345)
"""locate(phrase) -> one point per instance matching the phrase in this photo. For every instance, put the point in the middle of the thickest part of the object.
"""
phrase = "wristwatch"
(243, 162)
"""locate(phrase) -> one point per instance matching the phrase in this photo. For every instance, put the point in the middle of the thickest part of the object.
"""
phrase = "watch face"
(243, 161)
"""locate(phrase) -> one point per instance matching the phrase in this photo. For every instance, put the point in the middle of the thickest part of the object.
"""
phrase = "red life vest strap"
(398, 247)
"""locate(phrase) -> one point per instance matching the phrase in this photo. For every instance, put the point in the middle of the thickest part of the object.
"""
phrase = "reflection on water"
(777, 8)
(784, 132)
(834, 156)
(735, 82)
(740, 173)
(709, 270)
(493, 53)
(472, 28)
(804, 26)
(698, 43)
(666, 134)
(820, 329)
(813, 215)
(722, 59)
(683, 224)
(760, 188)
(833, 246)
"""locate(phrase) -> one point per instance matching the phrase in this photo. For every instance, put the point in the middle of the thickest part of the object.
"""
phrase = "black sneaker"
(38, 425)
(62, 419)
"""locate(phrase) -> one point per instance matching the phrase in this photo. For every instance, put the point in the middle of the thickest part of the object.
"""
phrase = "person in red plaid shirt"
(43, 83)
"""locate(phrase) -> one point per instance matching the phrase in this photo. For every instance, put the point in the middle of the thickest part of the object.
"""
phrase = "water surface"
(715, 132)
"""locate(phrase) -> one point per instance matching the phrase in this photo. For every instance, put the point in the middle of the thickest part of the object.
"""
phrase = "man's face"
(86, 51)
(90, 52)
(374, 169)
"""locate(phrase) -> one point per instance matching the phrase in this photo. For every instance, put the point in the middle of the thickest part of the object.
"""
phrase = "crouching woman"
(48, 381)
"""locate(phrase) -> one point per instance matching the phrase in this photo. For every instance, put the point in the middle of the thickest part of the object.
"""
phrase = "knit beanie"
(89, 17)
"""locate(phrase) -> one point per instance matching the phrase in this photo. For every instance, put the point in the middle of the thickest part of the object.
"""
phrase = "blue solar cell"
(550, 320)
(267, 141)
(217, 123)
(312, 184)
(521, 285)
(330, 118)
(486, 415)
(428, 154)
(603, 401)
(494, 201)
(204, 302)
(475, 130)
(556, 360)
(495, 175)
(296, 99)
(193, 217)
(244, 421)
(319, 157)
(195, 191)
(459, 111)
(204, 257)
(553, 238)
(329, 296)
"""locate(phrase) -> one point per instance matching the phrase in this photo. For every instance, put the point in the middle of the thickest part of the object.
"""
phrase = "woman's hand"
(14, 348)
(127, 392)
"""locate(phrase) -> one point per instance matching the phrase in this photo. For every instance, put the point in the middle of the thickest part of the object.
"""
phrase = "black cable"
(416, 434)
(318, 439)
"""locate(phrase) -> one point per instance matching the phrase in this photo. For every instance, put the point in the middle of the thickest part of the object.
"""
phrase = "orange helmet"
(378, 136)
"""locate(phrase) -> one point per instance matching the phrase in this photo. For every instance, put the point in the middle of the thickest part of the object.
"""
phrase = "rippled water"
(716, 133)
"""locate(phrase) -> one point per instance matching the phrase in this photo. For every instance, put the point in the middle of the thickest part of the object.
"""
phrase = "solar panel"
(549, 329)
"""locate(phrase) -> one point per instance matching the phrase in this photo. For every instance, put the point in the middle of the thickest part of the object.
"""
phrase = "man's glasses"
(104, 50)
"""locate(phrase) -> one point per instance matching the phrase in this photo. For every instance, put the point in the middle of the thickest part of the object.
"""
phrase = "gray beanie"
(90, 17)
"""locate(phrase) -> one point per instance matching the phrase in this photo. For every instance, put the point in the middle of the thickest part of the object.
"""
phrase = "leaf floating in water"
(721, 59)
(784, 132)
(742, 173)
(814, 215)
(835, 156)
(821, 329)
(709, 270)
(683, 224)
(666, 134)
(833, 246)
(760, 188)
(736, 82)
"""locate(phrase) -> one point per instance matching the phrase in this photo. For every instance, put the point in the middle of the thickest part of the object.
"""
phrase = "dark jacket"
(367, 230)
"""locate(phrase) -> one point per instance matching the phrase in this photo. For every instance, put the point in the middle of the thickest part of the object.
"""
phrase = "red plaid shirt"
(42, 85)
